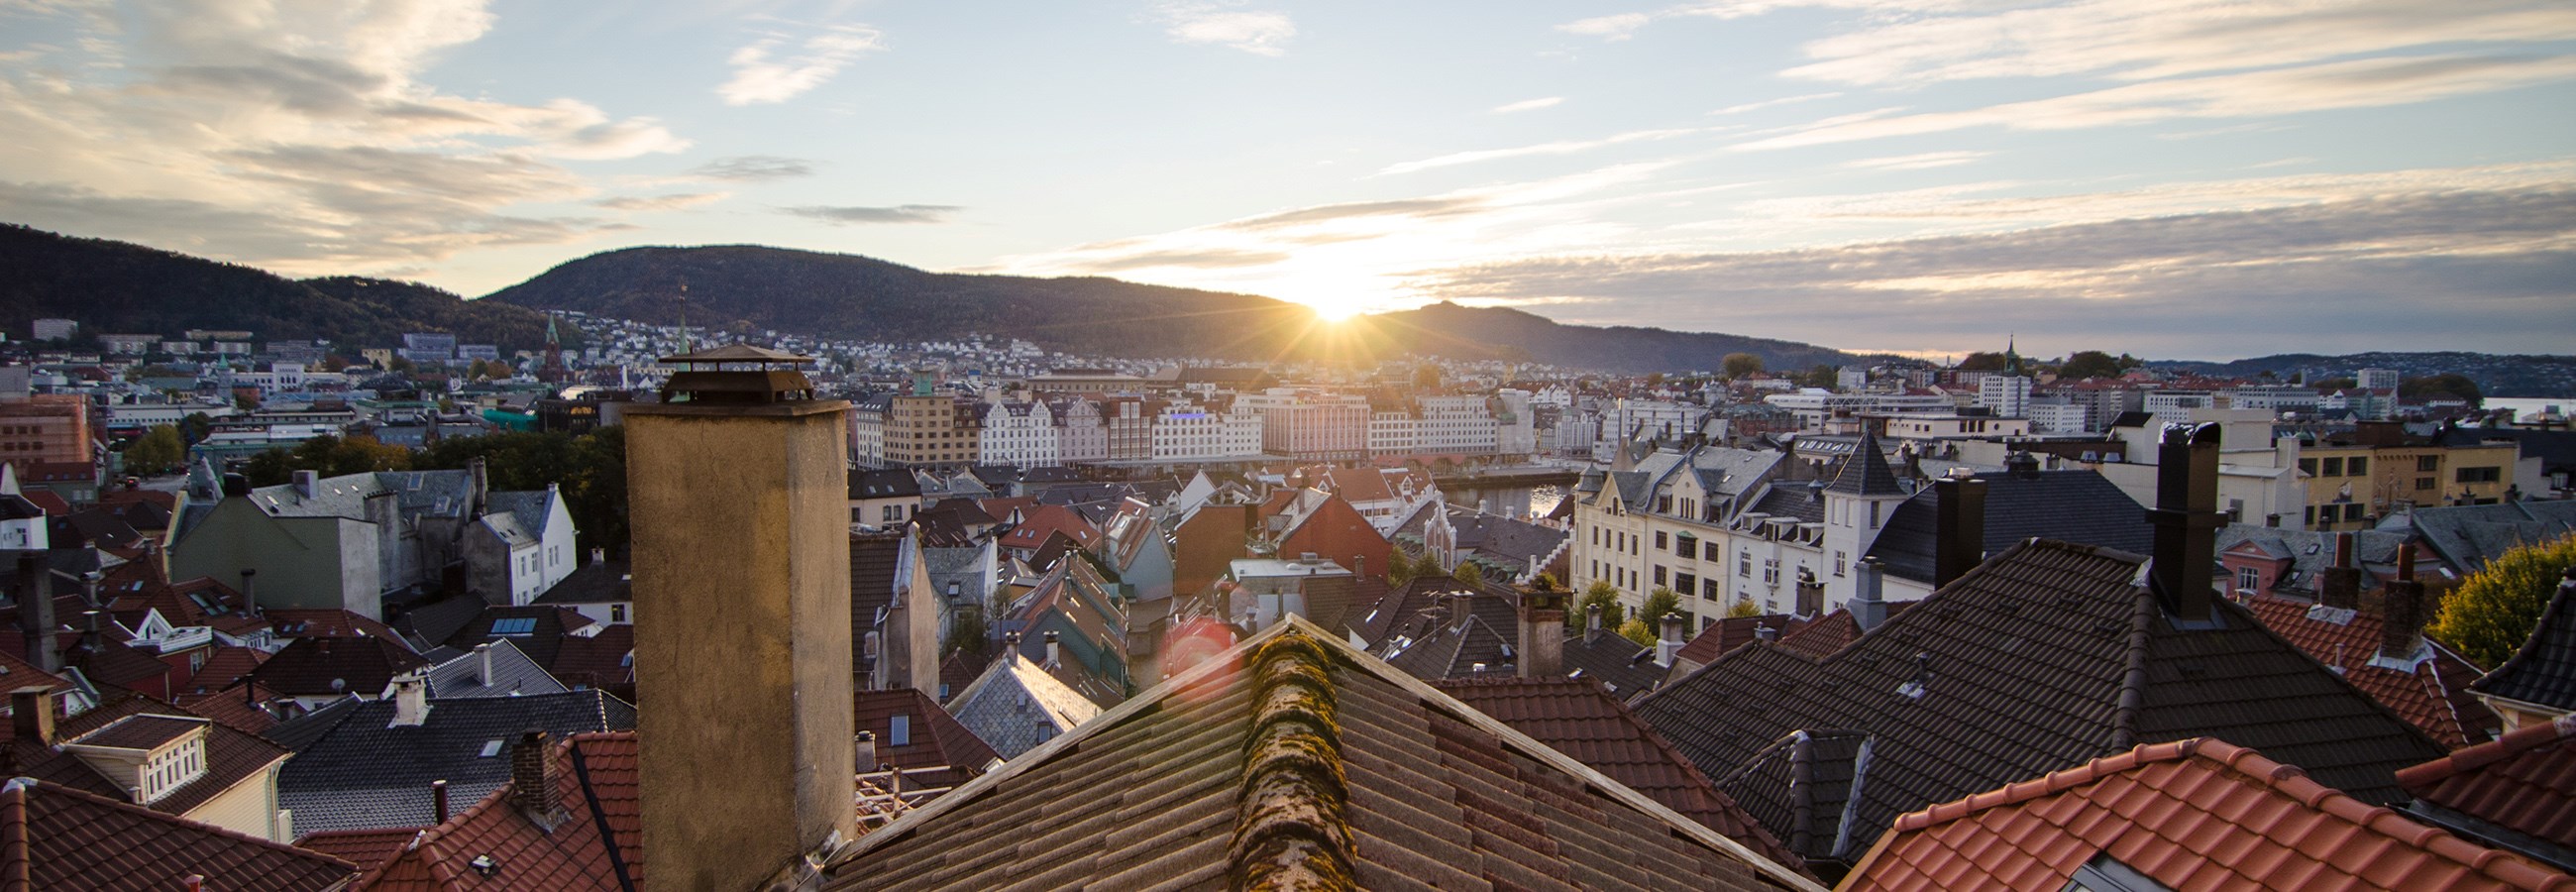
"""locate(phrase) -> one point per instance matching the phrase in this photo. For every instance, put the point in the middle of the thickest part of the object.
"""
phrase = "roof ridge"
(52, 788)
(1291, 828)
(2507, 745)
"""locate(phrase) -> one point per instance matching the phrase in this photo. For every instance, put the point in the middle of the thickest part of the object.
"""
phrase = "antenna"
(684, 315)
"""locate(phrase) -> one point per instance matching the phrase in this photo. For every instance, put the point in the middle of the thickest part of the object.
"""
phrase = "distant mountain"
(744, 288)
(116, 287)
(2499, 375)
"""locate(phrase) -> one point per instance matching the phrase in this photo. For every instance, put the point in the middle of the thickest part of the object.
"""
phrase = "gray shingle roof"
(512, 674)
(362, 772)
(2543, 671)
(1015, 706)
(2040, 659)
(1866, 472)
(2068, 506)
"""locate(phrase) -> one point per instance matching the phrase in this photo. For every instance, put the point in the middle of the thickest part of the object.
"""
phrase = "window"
(2334, 467)
(2479, 475)
(2309, 518)
(1744, 563)
(616, 613)
(1660, 540)
(1708, 588)
(2106, 874)
(2352, 511)
(514, 626)
(2248, 581)
(1873, 515)
(2428, 463)
(2358, 466)
(1686, 545)
(1838, 563)
(1685, 583)
(1659, 574)
(2308, 466)
(900, 732)
(2426, 483)
(1710, 551)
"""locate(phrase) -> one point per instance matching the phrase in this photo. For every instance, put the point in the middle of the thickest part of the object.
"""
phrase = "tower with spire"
(553, 371)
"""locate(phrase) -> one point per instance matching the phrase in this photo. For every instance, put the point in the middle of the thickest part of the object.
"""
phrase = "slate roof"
(2189, 814)
(597, 582)
(873, 562)
(2311, 552)
(1375, 623)
(936, 740)
(605, 660)
(57, 837)
(513, 675)
(548, 628)
(2080, 507)
(2513, 792)
(364, 772)
(883, 484)
(1014, 706)
(1578, 718)
(2041, 658)
(232, 757)
(1625, 667)
(2434, 695)
(1866, 472)
(2543, 671)
(2468, 536)
(313, 667)
(1293, 759)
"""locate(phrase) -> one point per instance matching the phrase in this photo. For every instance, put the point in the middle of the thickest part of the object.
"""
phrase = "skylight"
(515, 626)
(491, 748)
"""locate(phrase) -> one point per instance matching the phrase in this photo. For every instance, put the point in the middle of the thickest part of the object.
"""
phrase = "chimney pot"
(866, 744)
(2186, 520)
(1868, 607)
(437, 802)
(1670, 641)
(411, 699)
(2402, 620)
(2340, 585)
(1766, 633)
(483, 658)
(1054, 654)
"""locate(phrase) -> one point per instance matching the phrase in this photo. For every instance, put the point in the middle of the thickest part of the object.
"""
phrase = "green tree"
(1399, 570)
(1659, 602)
(196, 427)
(1982, 362)
(327, 456)
(2450, 384)
(1601, 593)
(2493, 611)
(159, 449)
(967, 633)
(2345, 383)
(2090, 364)
(1821, 375)
(1639, 631)
(1743, 607)
(589, 470)
(1468, 573)
(1654, 380)
(1740, 365)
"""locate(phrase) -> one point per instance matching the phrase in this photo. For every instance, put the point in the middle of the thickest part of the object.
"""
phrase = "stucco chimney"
(411, 699)
(739, 483)
(1959, 528)
(865, 744)
(478, 488)
(1868, 605)
(1053, 651)
(1542, 649)
(2186, 518)
(308, 484)
(483, 663)
(1591, 621)
(1670, 642)
(2340, 585)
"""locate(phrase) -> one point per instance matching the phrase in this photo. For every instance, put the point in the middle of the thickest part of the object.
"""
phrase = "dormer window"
(174, 767)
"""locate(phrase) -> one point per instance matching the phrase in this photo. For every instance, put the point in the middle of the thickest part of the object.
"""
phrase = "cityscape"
(1788, 446)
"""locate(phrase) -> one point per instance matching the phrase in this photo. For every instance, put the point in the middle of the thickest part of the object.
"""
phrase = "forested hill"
(110, 286)
(743, 287)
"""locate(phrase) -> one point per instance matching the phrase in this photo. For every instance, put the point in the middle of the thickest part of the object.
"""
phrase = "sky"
(2168, 178)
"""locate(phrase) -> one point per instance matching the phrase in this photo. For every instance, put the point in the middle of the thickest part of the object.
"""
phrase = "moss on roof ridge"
(1292, 829)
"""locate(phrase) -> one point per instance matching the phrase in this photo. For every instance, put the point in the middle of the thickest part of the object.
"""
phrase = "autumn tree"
(1468, 573)
(2493, 611)
(2090, 364)
(1738, 366)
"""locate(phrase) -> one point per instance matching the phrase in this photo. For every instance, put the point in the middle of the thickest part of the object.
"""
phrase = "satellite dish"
(339, 684)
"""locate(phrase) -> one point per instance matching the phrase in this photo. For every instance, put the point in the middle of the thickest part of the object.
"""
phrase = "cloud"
(1559, 147)
(298, 136)
(759, 79)
(1207, 259)
(754, 168)
(1924, 161)
(673, 202)
(1529, 105)
(2346, 274)
(1609, 27)
(2358, 83)
(1768, 103)
(1416, 208)
(851, 215)
(1258, 32)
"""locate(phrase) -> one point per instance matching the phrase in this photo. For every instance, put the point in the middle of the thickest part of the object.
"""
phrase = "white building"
(2007, 396)
(2058, 415)
(1082, 433)
(2377, 379)
(1019, 433)
(1189, 432)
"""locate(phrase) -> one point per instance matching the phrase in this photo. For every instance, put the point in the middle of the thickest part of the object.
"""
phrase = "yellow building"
(2378, 471)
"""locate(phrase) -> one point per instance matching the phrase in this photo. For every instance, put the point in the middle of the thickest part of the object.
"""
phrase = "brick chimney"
(739, 484)
(1868, 605)
(2401, 621)
(31, 714)
(1542, 633)
(2340, 585)
(2186, 518)
(1959, 532)
(532, 779)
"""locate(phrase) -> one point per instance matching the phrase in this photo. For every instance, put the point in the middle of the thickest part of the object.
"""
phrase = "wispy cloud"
(852, 215)
(2358, 83)
(1924, 161)
(1259, 32)
(1619, 26)
(2352, 272)
(673, 202)
(1769, 103)
(761, 75)
(1529, 105)
(754, 168)
(1559, 147)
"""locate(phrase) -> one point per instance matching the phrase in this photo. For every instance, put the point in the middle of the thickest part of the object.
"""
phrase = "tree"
(1659, 602)
(2493, 611)
(1468, 573)
(1743, 607)
(2336, 384)
(196, 427)
(2450, 384)
(967, 634)
(159, 449)
(1426, 376)
(1740, 365)
(1654, 380)
(2089, 364)
(1601, 593)
(1821, 375)
(1399, 570)
(1983, 362)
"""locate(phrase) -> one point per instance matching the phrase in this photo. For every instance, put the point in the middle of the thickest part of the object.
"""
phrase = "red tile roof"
(1731, 633)
(235, 707)
(56, 837)
(2189, 814)
(1044, 519)
(576, 855)
(1832, 632)
(370, 850)
(2522, 782)
(936, 740)
(1575, 716)
(2434, 696)
(315, 623)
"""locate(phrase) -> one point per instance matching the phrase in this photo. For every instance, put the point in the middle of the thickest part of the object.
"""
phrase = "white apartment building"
(2005, 395)
(1082, 432)
(1188, 432)
(1814, 407)
(1019, 433)
(1309, 424)
(2058, 415)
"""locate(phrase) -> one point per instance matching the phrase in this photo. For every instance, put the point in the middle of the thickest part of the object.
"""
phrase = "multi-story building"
(2377, 379)
(1083, 433)
(2272, 398)
(1128, 422)
(1815, 407)
(2059, 415)
(1515, 422)
(930, 429)
(2379, 470)
(1018, 433)
(1188, 432)
(45, 429)
(2005, 395)
(1454, 425)
(1311, 425)
(2178, 403)
(868, 429)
